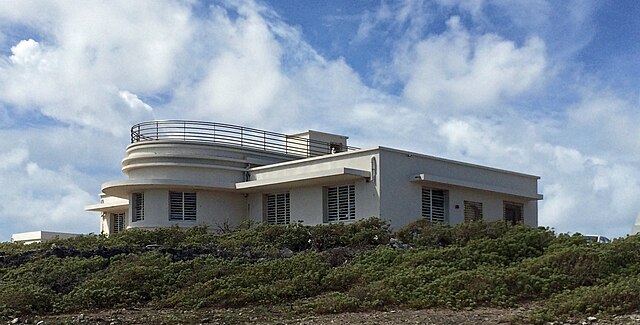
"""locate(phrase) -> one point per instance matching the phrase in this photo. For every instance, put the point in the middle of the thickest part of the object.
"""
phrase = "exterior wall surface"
(308, 199)
(213, 208)
(401, 198)
(39, 236)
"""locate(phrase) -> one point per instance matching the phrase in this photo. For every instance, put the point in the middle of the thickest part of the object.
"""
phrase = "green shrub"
(129, 280)
(334, 268)
(17, 300)
(60, 275)
(334, 302)
(619, 297)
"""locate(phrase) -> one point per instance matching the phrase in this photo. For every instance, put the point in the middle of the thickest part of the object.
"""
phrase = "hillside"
(325, 269)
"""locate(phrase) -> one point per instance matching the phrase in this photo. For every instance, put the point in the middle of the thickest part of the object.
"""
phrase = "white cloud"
(26, 52)
(41, 199)
(101, 67)
(88, 52)
(588, 193)
(458, 71)
(13, 158)
(610, 121)
(133, 101)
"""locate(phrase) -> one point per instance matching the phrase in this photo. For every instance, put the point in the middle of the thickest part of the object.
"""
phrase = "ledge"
(327, 177)
(122, 188)
(479, 186)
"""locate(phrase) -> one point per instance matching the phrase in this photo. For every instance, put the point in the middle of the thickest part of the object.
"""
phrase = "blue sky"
(541, 87)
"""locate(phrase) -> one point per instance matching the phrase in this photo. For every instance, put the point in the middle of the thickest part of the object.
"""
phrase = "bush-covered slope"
(325, 268)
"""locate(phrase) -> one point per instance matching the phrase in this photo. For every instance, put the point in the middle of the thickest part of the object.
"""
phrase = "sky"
(548, 88)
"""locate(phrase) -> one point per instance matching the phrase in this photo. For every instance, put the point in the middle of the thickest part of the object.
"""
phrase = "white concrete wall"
(307, 202)
(40, 236)
(215, 209)
(308, 205)
(178, 160)
(401, 198)
(218, 209)
(105, 227)
(354, 159)
(297, 145)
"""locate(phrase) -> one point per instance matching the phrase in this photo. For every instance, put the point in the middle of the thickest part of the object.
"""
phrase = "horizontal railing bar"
(211, 132)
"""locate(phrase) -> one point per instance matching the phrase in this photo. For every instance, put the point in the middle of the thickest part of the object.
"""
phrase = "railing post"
(241, 136)
(184, 131)
(157, 135)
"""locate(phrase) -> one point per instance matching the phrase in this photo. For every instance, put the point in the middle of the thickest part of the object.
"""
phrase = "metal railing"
(228, 134)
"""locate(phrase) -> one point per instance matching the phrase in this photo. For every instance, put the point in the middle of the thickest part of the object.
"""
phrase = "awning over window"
(322, 177)
(122, 188)
(426, 178)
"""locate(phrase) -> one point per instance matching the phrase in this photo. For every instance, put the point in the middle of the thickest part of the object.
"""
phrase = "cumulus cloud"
(133, 101)
(26, 52)
(74, 76)
(609, 119)
(41, 198)
(461, 72)
(92, 70)
(582, 192)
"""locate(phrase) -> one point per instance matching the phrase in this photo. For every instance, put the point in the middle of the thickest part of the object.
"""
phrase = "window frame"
(118, 222)
(183, 206)
(340, 201)
(137, 206)
(475, 207)
(520, 208)
(428, 198)
(277, 208)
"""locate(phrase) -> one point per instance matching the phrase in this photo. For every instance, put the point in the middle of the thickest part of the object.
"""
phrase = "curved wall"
(155, 168)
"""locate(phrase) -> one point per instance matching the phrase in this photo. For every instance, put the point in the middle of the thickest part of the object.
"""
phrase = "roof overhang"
(108, 207)
(322, 177)
(426, 178)
(122, 188)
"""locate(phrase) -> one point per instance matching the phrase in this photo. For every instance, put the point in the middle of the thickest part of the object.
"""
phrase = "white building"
(39, 236)
(636, 226)
(186, 173)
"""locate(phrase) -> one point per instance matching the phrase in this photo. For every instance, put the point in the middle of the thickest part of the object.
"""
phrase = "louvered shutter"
(137, 207)
(182, 206)
(341, 203)
(278, 209)
(434, 204)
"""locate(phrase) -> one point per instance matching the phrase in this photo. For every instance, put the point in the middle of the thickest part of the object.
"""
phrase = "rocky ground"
(280, 315)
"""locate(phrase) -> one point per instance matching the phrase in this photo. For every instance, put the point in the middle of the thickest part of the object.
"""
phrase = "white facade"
(636, 226)
(221, 175)
(39, 236)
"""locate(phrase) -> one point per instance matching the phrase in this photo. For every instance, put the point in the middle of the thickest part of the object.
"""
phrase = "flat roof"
(379, 148)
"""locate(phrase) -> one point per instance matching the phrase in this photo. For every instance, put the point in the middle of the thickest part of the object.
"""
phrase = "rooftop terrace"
(234, 135)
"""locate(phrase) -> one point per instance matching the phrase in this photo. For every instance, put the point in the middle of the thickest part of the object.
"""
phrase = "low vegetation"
(326, 269)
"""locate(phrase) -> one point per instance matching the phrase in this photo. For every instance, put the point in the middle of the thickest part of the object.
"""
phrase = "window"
(278, 209)
(137, 207)
(118, 222)
(513, 212)
(472, 211)
(182, 206)
(341, 203)
(434, 204)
